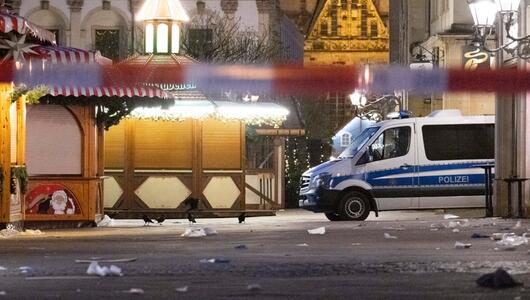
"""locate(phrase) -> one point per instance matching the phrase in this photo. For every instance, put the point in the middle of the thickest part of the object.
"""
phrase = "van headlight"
(321, 180)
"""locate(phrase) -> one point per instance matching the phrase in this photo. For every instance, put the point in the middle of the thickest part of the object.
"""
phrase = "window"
(200, 41)
(108, 43)
(454, 142)
(324, 28)
(175, 38)
(345, 139)
(149, 38)
(162, 36)
(393, 142)
(373, 29)
(54, 141)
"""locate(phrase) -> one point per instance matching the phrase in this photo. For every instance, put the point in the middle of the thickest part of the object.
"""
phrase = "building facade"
(439, 33)
(110, 26)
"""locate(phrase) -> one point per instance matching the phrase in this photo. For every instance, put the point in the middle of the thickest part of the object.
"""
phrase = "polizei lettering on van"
(453, 179)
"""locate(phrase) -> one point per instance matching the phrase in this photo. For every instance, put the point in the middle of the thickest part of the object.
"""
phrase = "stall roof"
(18, 24)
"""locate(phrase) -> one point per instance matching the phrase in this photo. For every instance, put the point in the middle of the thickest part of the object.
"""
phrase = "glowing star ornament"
(17, 48)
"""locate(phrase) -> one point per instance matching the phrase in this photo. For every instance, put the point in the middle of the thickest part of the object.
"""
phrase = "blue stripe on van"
(373, 177)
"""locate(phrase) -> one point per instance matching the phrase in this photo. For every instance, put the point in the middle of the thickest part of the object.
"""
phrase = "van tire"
(333, 216)
(354, 206)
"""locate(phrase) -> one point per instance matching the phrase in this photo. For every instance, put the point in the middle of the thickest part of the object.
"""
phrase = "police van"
(405, 163)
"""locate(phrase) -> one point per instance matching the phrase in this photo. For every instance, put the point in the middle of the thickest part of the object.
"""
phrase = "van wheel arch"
(373, 204)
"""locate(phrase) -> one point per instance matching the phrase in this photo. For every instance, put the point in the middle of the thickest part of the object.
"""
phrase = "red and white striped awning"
(9, 22)
(144, 91)
(68, 55)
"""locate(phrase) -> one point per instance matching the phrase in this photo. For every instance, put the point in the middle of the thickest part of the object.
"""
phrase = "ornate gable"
(343, 26)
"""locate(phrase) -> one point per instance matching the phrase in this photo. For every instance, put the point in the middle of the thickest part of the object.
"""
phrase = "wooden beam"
(21, 131)
(267, 199)
(5, 152)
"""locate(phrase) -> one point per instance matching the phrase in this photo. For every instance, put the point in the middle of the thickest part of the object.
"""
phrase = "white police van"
(408, 163)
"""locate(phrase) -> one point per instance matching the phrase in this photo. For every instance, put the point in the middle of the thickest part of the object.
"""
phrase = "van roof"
(440, 120)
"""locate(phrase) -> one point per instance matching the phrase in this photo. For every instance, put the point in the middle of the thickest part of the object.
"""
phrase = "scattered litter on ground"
(3, 268)
(11, 232)
(241, 247)
(389, 237)
(101, 260)
(183, 289)
(456, 230)
(512, 240)
(319, 230)
(105, 222)
(198, 232)
(254, 287)
(455, 224)
(135, 291)
(479, 236)
(356, 244)
(25, 269)
(3, 293)
(499, 279)
(505, 248)
(214, 261)
(436, 226)
(497, 236)
(517, 225)
(450, 216)
(460, 245)
(210, 231)
(302, 245)
(78, 290)
(400, 228)
(95, 269)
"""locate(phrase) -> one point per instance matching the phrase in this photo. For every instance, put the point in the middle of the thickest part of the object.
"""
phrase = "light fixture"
(484, 14)
(358, 98)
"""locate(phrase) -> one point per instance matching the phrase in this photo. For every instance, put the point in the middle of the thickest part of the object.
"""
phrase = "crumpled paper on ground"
(95, 269)
(198, 232)
(319, 230)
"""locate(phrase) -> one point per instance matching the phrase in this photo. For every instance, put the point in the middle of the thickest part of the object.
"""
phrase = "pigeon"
(498, 280)
(191, 218)
(160, 220)
(241, 218)
(147, 220)
(191, 203)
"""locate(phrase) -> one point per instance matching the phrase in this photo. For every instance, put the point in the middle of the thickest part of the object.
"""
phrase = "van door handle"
(405, 166)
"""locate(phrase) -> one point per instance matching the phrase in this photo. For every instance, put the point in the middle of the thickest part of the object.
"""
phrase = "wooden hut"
(64, 131)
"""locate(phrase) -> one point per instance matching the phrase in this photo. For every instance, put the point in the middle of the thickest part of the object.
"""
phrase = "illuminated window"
(175, 38)
(162, 35)
(149, 38)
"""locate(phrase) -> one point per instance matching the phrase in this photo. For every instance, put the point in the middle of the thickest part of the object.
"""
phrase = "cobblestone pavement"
(279, 259)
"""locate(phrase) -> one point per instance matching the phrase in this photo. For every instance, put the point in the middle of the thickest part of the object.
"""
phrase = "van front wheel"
(354, 206)
(333, 216)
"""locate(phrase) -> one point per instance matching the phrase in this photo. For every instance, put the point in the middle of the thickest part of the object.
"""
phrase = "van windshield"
(358, 142)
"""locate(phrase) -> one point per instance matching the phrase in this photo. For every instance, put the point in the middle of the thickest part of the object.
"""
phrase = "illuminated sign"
(475, 58)
(168, 87)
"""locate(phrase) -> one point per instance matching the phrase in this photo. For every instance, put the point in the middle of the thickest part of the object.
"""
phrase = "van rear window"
(455, 142)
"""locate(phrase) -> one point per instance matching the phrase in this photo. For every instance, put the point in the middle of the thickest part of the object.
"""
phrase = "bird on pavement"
(160, 220)
(147, 220)
(241, 218)
(191, 203)
(191, 218)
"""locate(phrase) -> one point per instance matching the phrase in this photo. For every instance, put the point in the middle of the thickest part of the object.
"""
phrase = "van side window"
(393, 142)
(454, 142)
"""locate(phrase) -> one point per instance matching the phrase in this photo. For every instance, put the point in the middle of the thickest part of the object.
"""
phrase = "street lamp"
(358, 98)
(484, 13)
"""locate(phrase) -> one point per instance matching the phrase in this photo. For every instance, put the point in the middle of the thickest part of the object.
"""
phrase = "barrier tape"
(278, 79)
